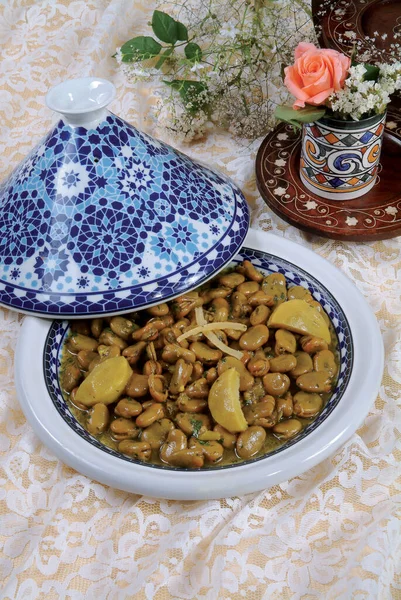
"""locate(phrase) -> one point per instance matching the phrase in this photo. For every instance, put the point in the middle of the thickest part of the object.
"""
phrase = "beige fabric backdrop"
(333, 533)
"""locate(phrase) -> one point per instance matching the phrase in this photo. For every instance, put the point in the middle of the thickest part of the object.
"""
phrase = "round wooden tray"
(374, 216)
(375, 24)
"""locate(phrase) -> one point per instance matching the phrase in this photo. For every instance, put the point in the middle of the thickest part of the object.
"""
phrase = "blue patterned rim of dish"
(109, 220)
(267, 263)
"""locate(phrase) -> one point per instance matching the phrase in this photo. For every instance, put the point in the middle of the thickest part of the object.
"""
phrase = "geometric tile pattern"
(109, 220)
(267, 263)
(341, 156)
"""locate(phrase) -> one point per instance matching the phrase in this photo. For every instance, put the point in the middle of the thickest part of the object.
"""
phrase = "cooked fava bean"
(158, 311)
(158, 388)
(209, 436)
(205, 354)
(94, 363)
(75, 402)
(98, 420)
(315, 381)
(85, 358)
(185, 304)
(96, 327)
(311, 344)
(176, 441)
(109, 338)
(191, 458)
(276, 384)
(284, 406)
(156, 434)
(227, 439)
(275, 285)
(172, 352)
(181, 376)
(239, 305)
(140, 450)
(221, 336)
(78, 342)
(82, 327)
(307, 405)
(150, 415)
(260, 410)
(298, 292)
(251, 441)
(189, 405)
(133, 353)
(260, 299)
(152, 367)
(71, 376)
(283, 363)
(198, 389)
(122, 429)
(106, 352)
(251, 272)
(211, 375)
(287, 429)
(211, 450)
(193, 424)
(138, 386)
(231, 280)
(258, 367)
(259, 315)
(324, 360)
(221, 292)
(197, 371)
(248, 288)
(246, 380)
(128, 408)
(254, 338)
(221, 309)
(285, 342)
(233, 334)
(165, 392)
(304, 364)
(147, 333)
(122, 327)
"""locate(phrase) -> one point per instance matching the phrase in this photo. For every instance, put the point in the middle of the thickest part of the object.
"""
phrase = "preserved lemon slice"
(224, 403)
(298, 316)
(105, 383)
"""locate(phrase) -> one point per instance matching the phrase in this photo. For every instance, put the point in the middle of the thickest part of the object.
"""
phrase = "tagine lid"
(101, 219)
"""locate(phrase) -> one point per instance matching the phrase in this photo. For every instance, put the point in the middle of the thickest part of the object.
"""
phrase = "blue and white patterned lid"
(102, 219)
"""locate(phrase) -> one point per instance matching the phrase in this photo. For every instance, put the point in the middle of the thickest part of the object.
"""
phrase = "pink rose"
(316, 74)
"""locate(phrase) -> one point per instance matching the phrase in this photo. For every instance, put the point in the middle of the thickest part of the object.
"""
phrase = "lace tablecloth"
(335, 532)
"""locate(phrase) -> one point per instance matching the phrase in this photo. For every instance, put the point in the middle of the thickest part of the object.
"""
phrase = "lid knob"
(81, 102)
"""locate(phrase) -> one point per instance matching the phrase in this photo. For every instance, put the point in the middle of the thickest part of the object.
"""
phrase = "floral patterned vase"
(340, 159)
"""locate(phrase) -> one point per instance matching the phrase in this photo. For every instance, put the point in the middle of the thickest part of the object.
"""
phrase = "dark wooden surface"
(340, 23)
(374, 216)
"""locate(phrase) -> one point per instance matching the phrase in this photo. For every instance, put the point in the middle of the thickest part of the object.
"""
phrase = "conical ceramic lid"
(102, 219)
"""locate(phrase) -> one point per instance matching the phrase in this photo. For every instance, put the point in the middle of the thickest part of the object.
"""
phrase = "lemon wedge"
(105, 383)
(224, 402)
(300, 317)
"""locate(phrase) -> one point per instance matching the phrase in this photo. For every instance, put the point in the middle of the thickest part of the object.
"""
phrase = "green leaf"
(168, 52)
(188, 91)
(165, 27)
(371, 72)
(182, 32)
(140, 48)
(193, 52)
(303, 115)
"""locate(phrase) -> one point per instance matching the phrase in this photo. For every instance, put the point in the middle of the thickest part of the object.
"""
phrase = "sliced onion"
(212, 327)
(206, 329)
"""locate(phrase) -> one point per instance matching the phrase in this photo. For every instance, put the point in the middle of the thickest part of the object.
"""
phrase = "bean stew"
(222, 374)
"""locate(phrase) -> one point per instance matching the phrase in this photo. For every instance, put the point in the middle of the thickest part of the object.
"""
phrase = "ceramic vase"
(340, 159)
